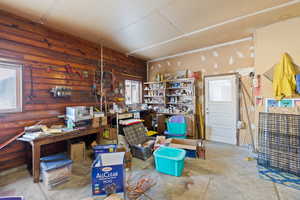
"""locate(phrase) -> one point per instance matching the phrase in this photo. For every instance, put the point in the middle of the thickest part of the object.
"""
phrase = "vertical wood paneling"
(47, 52)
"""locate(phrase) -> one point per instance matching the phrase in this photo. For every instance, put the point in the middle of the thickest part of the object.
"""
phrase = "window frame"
(140, 91)
(19, 87)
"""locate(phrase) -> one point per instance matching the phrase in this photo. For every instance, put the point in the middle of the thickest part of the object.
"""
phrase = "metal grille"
(135, 134)
(279, 142)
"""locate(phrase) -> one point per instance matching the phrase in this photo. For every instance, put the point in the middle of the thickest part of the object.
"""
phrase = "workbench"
(49, 139)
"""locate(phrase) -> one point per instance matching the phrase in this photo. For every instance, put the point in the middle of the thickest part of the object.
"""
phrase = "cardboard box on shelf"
(108, 175)
(96, 122)
(103, 121)
(110, 134)
(76, 151)
(103, 141)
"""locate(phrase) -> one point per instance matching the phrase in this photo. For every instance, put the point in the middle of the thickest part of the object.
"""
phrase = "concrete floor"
(223, 175)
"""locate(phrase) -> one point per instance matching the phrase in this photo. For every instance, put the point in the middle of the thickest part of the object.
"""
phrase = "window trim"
(140, 91)
(19, 87)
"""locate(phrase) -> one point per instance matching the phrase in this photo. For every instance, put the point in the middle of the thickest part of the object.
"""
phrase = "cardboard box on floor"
(108, 175)
(76, 151)
(127, 158)
(192, 146)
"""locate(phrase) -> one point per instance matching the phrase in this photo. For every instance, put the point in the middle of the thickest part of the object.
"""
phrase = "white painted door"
(221, 108)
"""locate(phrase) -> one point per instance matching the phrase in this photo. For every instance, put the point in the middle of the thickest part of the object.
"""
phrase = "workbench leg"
(36, 154)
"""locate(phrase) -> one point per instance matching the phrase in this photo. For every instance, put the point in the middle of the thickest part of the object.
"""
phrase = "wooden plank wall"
(46, 52)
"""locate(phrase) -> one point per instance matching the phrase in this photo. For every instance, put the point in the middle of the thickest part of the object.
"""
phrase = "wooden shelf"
(179, 103)
(153, 96)
(175, 80)
(154, 89)
(154, 82)
(182, 80)
(174, 113)
(175, 95)
(180, 88)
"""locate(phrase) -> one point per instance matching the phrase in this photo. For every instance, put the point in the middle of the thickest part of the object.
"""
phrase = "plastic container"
(176, 128)
(169, 160)
(141, 152)
(55, 170)
(175, 136)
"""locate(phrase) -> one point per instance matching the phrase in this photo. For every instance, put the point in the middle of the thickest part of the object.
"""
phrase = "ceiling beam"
(202, 49)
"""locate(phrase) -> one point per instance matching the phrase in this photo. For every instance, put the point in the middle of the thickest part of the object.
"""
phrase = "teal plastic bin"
(169, 160)
(176, 128)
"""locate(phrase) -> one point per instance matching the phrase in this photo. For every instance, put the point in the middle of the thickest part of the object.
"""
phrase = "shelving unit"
(177, 97)
(173, 96)
(154, 93)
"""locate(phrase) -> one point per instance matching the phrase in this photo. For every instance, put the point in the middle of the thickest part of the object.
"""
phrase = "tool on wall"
(69, 69)
(61, 91)
(49, 69)
(81, 74)
(31, 96)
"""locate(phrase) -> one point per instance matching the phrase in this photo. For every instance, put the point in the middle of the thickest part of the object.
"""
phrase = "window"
(220, 90)
(133, 92)
(10, 88)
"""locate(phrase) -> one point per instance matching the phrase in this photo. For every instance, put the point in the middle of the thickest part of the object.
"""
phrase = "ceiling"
(151, 29)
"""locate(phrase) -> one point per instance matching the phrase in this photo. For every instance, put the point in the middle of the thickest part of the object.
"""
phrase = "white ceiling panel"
(225, 33)
(31, 9)
(103, 16)
(201, 13)
(152, 29)
(104, 20)
(135, 25)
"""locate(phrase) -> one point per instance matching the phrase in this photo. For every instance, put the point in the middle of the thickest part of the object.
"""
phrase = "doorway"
(221, 108)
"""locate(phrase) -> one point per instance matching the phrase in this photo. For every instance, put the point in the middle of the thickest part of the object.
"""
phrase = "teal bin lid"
(170, 153)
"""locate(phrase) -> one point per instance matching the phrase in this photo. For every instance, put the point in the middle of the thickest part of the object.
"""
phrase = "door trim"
(238, 101)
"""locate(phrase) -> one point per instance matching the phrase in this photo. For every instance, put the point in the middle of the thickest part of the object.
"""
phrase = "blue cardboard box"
(11, 198)
(108, 174)
(109, 148)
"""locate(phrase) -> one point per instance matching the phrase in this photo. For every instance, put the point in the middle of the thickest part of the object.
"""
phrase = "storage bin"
(55, 170)
(136, 137)
(176, 128)
(141, 152)
(175, 136)
(169, 160)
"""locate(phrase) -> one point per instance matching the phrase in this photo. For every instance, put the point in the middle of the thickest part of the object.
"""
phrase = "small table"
(49, 139)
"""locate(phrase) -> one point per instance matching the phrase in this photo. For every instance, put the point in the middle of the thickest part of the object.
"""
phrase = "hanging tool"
(79, 74)
(69, 69)
(49, 69)
(31, 96)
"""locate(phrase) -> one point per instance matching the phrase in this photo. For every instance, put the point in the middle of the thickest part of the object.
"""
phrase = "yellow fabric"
(284, 81)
